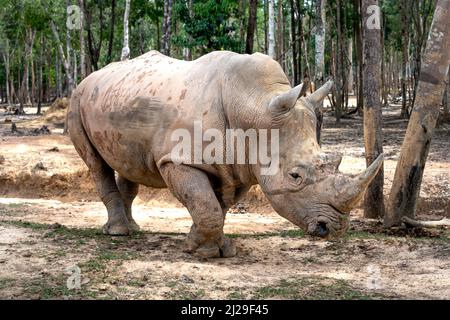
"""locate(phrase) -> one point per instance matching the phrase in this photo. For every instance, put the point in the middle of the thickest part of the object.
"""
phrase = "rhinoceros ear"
(285, 101)
(317, 96)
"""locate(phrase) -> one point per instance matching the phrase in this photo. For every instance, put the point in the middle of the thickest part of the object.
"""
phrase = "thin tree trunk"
(33, 83)
(350, 72)
(271, 37)
(339, 63)
(266, 27)
(167, 25)
(294, 40)
(126, 49)
(279, 33)
(69, 58)
(40, 75)
(66, 63)
(404, 18)
(300, 56)
(187, 52)
(6, 60)
(253, 5)
(75, 69)
(320, 42)
(82, 46)
(359, 57)
(111, 31)
(434, 71)
(373, 139)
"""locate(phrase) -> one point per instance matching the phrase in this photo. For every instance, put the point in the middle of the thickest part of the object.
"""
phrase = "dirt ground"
(51, 217)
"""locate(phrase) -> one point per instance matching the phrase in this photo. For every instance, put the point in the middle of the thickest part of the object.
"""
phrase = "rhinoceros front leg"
(193, 188)
(128, 191)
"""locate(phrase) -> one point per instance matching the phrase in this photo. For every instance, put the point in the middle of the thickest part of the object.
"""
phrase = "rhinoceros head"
(308, 188)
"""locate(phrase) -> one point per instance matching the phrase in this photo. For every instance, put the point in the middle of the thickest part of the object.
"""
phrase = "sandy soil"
(50, 220)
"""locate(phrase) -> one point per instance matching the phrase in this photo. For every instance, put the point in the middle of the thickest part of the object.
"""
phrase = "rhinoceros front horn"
(287, 100)
(349, 191)
(320, 94)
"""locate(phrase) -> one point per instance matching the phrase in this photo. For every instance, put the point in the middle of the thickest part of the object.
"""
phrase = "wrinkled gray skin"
(122, 116)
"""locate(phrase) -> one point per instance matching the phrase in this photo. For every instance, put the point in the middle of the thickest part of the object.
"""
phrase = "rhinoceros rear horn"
(285, 101)
(352, 190)
(320, 94)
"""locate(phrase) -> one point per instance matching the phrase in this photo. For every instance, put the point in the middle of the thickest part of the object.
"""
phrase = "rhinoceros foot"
(133, 225)
(212, 249)
(117, 229)
(228, 248)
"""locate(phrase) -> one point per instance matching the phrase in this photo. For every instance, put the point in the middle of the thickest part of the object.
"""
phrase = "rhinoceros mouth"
(331, 224)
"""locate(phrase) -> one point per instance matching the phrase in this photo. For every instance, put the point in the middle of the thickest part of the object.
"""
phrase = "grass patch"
(56, 288)
(236, 295)
(6, 282)
(313, 289)
(184, 293)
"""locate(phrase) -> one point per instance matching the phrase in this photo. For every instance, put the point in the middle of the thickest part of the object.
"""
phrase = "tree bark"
(65, 61)
(409, 172)
(40, 74)
(82, 46)
(6, 61)
(373, 139)
(359, 57)
(405, 38)
(111, 31)
(94, 49)
(167, 25)
(126, 49)
(253, 5)
(271, 36)
(294, 40)
(320, 41)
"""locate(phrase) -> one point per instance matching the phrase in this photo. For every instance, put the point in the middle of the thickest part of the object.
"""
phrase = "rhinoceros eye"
(294, 175)
(296, 178)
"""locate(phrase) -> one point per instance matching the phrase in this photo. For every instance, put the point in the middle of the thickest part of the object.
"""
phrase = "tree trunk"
(126, 49)
(350, 71)
(373, 139)
(23, 93)
(111, 31)
(271, 49)
(266, 27)
(279, 34)
(339, 77)
(66, 63)
(408, 174)
(33, 83)
(69, 58)
(300, 56)
(294, 40)
(253, 5)
(167, 25)
(82, 47)
(320, 41)
(6, 61)
(94, 49)
(40, 75)
(405, 37)
(359, 57)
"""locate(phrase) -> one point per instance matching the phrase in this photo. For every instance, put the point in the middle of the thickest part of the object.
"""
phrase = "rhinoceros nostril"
(321, 229)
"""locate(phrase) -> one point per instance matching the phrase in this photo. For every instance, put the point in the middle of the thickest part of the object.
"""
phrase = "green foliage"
(213, 26)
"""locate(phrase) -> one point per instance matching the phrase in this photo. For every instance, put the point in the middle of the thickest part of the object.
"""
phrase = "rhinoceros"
(121, 119)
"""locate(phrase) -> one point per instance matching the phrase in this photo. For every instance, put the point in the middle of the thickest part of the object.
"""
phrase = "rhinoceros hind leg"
(101, 173)
(128, 191)
(193, 188)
